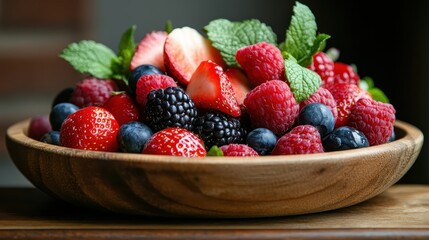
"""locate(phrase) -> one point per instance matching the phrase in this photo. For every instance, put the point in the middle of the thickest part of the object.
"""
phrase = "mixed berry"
(236, 92)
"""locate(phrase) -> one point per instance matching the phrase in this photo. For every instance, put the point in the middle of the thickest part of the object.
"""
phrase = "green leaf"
(89, 57)
(229, 36)
(318, 46)
(127, 46)
(333, 54)
(168, 26)
(302, 81)
(301, 33)
(368, 81)
(215, 152)
(378, 95)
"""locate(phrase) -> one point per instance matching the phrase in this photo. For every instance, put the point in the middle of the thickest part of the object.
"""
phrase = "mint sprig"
(302, 81)
(98, 60)
(89, 57)
(229, 36)
(215, 151)
(302, 40)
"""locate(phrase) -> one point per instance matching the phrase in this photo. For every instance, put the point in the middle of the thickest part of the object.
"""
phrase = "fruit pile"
(236, 92)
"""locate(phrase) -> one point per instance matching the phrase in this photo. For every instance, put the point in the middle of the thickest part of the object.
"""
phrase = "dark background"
(387, 42)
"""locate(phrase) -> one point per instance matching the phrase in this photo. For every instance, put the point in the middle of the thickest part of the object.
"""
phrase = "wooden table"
(401, 212)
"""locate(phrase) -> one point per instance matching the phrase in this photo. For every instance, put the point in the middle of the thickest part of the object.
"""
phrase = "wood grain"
(401, 212)
(214, 187)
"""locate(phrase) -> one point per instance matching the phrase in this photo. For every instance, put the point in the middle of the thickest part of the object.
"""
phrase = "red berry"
(150, 50)
(272, 105)
(324, 96)
(123, 108)
(374, 119)
(39, 125)
(92, 92)
(238, 150)
(324, 66)
(240, 83)
(302, 139)
(184, 50)
(210, 88)
(147, 83)
(261, 62)
(90, 128)
(344, 73)
(175, 142)
(346, 95)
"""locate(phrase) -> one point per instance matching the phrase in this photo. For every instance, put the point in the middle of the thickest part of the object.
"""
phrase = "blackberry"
(170, 107)
(216, 128)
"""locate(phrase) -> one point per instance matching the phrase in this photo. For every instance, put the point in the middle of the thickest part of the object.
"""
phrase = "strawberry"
(261, 62)
(240, 83)
(184, 50)
(175, 142)
(210, 88)
(123, 108)
(344, 73)
(346, 95)
(150, 50)
(90, 128)
(147, 83)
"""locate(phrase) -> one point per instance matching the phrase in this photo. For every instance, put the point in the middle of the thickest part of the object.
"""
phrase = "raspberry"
(147, 83)
(324, 66)
(238, 150)
(92, 92)
(272, 105)
(302, 139)
(345, 96)
(323, 96)
(261, 62)
(374, 119)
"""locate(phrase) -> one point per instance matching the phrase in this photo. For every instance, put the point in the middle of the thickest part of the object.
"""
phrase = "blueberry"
(63, 96)
(392, 136)
(262, 140)
(132, 136)
(59, 113)
(319, 116)
(52, 137)
(344, 138)
(145, 69)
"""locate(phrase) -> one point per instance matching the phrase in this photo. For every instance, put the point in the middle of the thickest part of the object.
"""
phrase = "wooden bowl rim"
(17, 133)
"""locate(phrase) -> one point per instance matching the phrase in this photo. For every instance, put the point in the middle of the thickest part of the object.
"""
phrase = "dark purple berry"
(319, 116)
(39, 125)
(262, 140)
(52, 137)
(63, 96)
(132, 136)
(344, 138)
(59, 113)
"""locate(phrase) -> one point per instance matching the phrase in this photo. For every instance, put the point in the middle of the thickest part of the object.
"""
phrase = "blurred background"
(386, 42)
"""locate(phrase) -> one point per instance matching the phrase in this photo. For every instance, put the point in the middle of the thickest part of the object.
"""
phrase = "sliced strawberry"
(184, 50)
(150, 50)
(210, 88)
(240, 83)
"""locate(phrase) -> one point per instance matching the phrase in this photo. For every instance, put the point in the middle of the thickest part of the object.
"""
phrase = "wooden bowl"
(214, 186)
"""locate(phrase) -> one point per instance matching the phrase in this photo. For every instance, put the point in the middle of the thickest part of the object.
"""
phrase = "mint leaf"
(318, 46)
(378, 95)
(301, 33)
(215, 152)
(121, 64)
(229, 36)
(168, 26)
(90, 57)
(302, 81)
